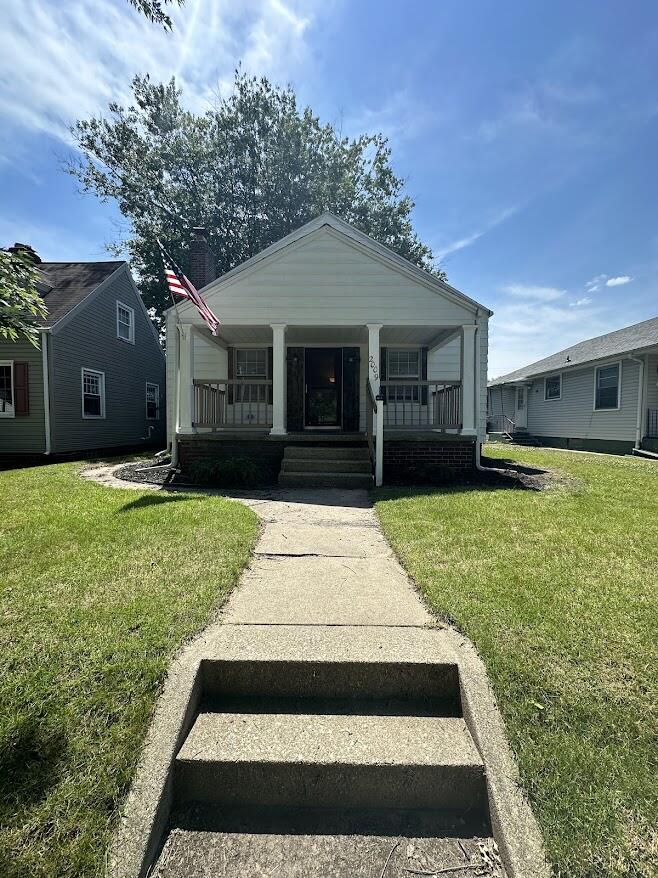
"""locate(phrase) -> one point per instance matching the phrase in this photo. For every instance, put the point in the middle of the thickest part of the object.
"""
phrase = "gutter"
(45, 333)
(640, 403)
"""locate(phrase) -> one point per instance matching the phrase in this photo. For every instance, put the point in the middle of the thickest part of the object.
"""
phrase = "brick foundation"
(420, 460)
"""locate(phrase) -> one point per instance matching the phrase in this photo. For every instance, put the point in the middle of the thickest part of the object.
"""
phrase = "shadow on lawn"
(29, 764)
(152, 500)
(499, 474)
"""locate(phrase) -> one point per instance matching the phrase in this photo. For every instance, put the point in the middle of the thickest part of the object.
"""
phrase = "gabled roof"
(66, 284)
(613, 344)
(334, 222)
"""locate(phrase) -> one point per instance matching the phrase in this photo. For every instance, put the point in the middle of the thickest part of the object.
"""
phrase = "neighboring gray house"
(601, 394)
(98, 379)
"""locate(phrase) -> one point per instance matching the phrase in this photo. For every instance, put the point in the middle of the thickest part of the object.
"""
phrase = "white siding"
(501, 401)
(573, 415)
(652, 382)
(329, 280)
(445, 362)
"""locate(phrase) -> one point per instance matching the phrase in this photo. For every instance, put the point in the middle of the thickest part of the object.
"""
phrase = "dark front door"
(323, 370)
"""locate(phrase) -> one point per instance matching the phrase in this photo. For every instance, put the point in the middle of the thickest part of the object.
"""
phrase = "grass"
(99, 588)
(559, 591)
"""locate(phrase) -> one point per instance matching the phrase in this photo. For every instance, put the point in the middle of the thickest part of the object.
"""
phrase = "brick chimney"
(26, 250)
(202, 261)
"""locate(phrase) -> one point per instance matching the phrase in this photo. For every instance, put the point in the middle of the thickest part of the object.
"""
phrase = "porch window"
(93, 394)
(251, 363)
(6, 390)
(152, 402)
(553, 387)
(125, 323)
(403, 363)
(606, 387)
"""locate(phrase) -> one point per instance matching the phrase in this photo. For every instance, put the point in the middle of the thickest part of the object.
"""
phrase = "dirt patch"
(501, 472)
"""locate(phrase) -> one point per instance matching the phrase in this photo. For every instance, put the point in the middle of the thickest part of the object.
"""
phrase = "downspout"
(478, 401)
(46, 388)
(640, 403)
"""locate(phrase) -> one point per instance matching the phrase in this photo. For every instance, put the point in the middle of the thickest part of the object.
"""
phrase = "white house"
(331, 348)
(600, 394)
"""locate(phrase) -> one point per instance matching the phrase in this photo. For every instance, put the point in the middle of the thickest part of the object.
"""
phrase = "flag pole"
(174, 437)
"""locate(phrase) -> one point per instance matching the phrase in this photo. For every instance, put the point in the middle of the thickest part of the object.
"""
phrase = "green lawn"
(559, 591)
(98, 589)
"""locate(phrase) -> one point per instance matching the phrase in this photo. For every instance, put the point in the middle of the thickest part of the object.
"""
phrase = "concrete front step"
(314, 452)
(331, 761)
(310, 465)
(319, 479)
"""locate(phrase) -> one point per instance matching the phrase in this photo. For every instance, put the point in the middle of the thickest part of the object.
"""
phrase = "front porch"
(259, 388)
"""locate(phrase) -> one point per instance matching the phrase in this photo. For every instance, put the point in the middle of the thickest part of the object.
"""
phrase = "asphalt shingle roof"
(622, 341)
(70, 283)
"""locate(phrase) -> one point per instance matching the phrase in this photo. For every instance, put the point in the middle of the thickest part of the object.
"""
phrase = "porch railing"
(652, 423)
(500, 424)
(436, 405)
(223, 404)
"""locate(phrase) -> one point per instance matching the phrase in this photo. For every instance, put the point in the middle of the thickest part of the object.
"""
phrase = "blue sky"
(527, 132)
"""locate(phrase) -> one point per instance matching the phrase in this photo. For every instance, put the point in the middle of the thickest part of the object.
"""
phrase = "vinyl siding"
(573, 415)
(501, 401)
(328, 280)
(652, 381)
(89, 340)
(25, 434)
(445, 362)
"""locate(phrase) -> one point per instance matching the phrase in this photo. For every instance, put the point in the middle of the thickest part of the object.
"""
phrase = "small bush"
(230, 472)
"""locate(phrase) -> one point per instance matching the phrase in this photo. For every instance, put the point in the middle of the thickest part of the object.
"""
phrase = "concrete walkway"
(323, 560)
(322, 605)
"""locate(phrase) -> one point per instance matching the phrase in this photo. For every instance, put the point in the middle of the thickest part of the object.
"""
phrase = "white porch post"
(374, 373)
(186, 377)
(278, 379)
(469, 378)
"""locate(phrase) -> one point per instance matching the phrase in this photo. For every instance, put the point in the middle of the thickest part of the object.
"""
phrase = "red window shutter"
(21, 389)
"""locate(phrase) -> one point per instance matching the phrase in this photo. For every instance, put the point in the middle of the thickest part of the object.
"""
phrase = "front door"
(521, 407)
(323, 374)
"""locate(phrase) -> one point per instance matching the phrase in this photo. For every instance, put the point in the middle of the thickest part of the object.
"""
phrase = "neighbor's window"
(607, 387)
(93, 394)
(251, 363)
(125, 323)
(152, 401)
(6, 390)
(403, 363)
(553, 387)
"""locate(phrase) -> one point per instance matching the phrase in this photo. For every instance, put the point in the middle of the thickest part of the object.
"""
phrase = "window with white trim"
(251, 363)
(125, 323)
(403, 363)
(553, 387)
(606, 387)
(93, 394)
(6, 389)
(152, 401)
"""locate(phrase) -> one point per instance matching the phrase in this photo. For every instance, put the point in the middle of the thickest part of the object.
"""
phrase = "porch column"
(374, 376)
(468, 380)
(185, 377)
(278, 379)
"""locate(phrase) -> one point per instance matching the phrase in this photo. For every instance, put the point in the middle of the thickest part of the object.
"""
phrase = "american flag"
(179, 285)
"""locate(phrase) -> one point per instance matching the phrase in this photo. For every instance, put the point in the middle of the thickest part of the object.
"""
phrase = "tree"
(154, 11)
(21, 306)
(250, 170)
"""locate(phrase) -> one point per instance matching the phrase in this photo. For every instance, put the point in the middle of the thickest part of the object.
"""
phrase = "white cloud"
(595, 283)
(533, 293)
(441, 251)
(580, 302)
(63, 61)
(618, 281)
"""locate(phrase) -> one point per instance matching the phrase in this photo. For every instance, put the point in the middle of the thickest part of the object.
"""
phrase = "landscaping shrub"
(231, 472)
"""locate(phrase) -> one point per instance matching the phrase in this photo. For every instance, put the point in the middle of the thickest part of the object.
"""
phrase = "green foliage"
(21, 306)
(99, 589)
(250, 171)
(154, 10)
(558, 590)
(231, 472)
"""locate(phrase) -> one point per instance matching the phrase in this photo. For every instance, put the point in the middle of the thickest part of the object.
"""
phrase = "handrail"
(371, 410)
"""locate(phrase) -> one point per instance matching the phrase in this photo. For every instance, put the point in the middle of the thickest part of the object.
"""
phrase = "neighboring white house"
(328, 339)
(601, 394)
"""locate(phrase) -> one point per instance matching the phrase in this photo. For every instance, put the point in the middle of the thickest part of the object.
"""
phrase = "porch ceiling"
(335, 335)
